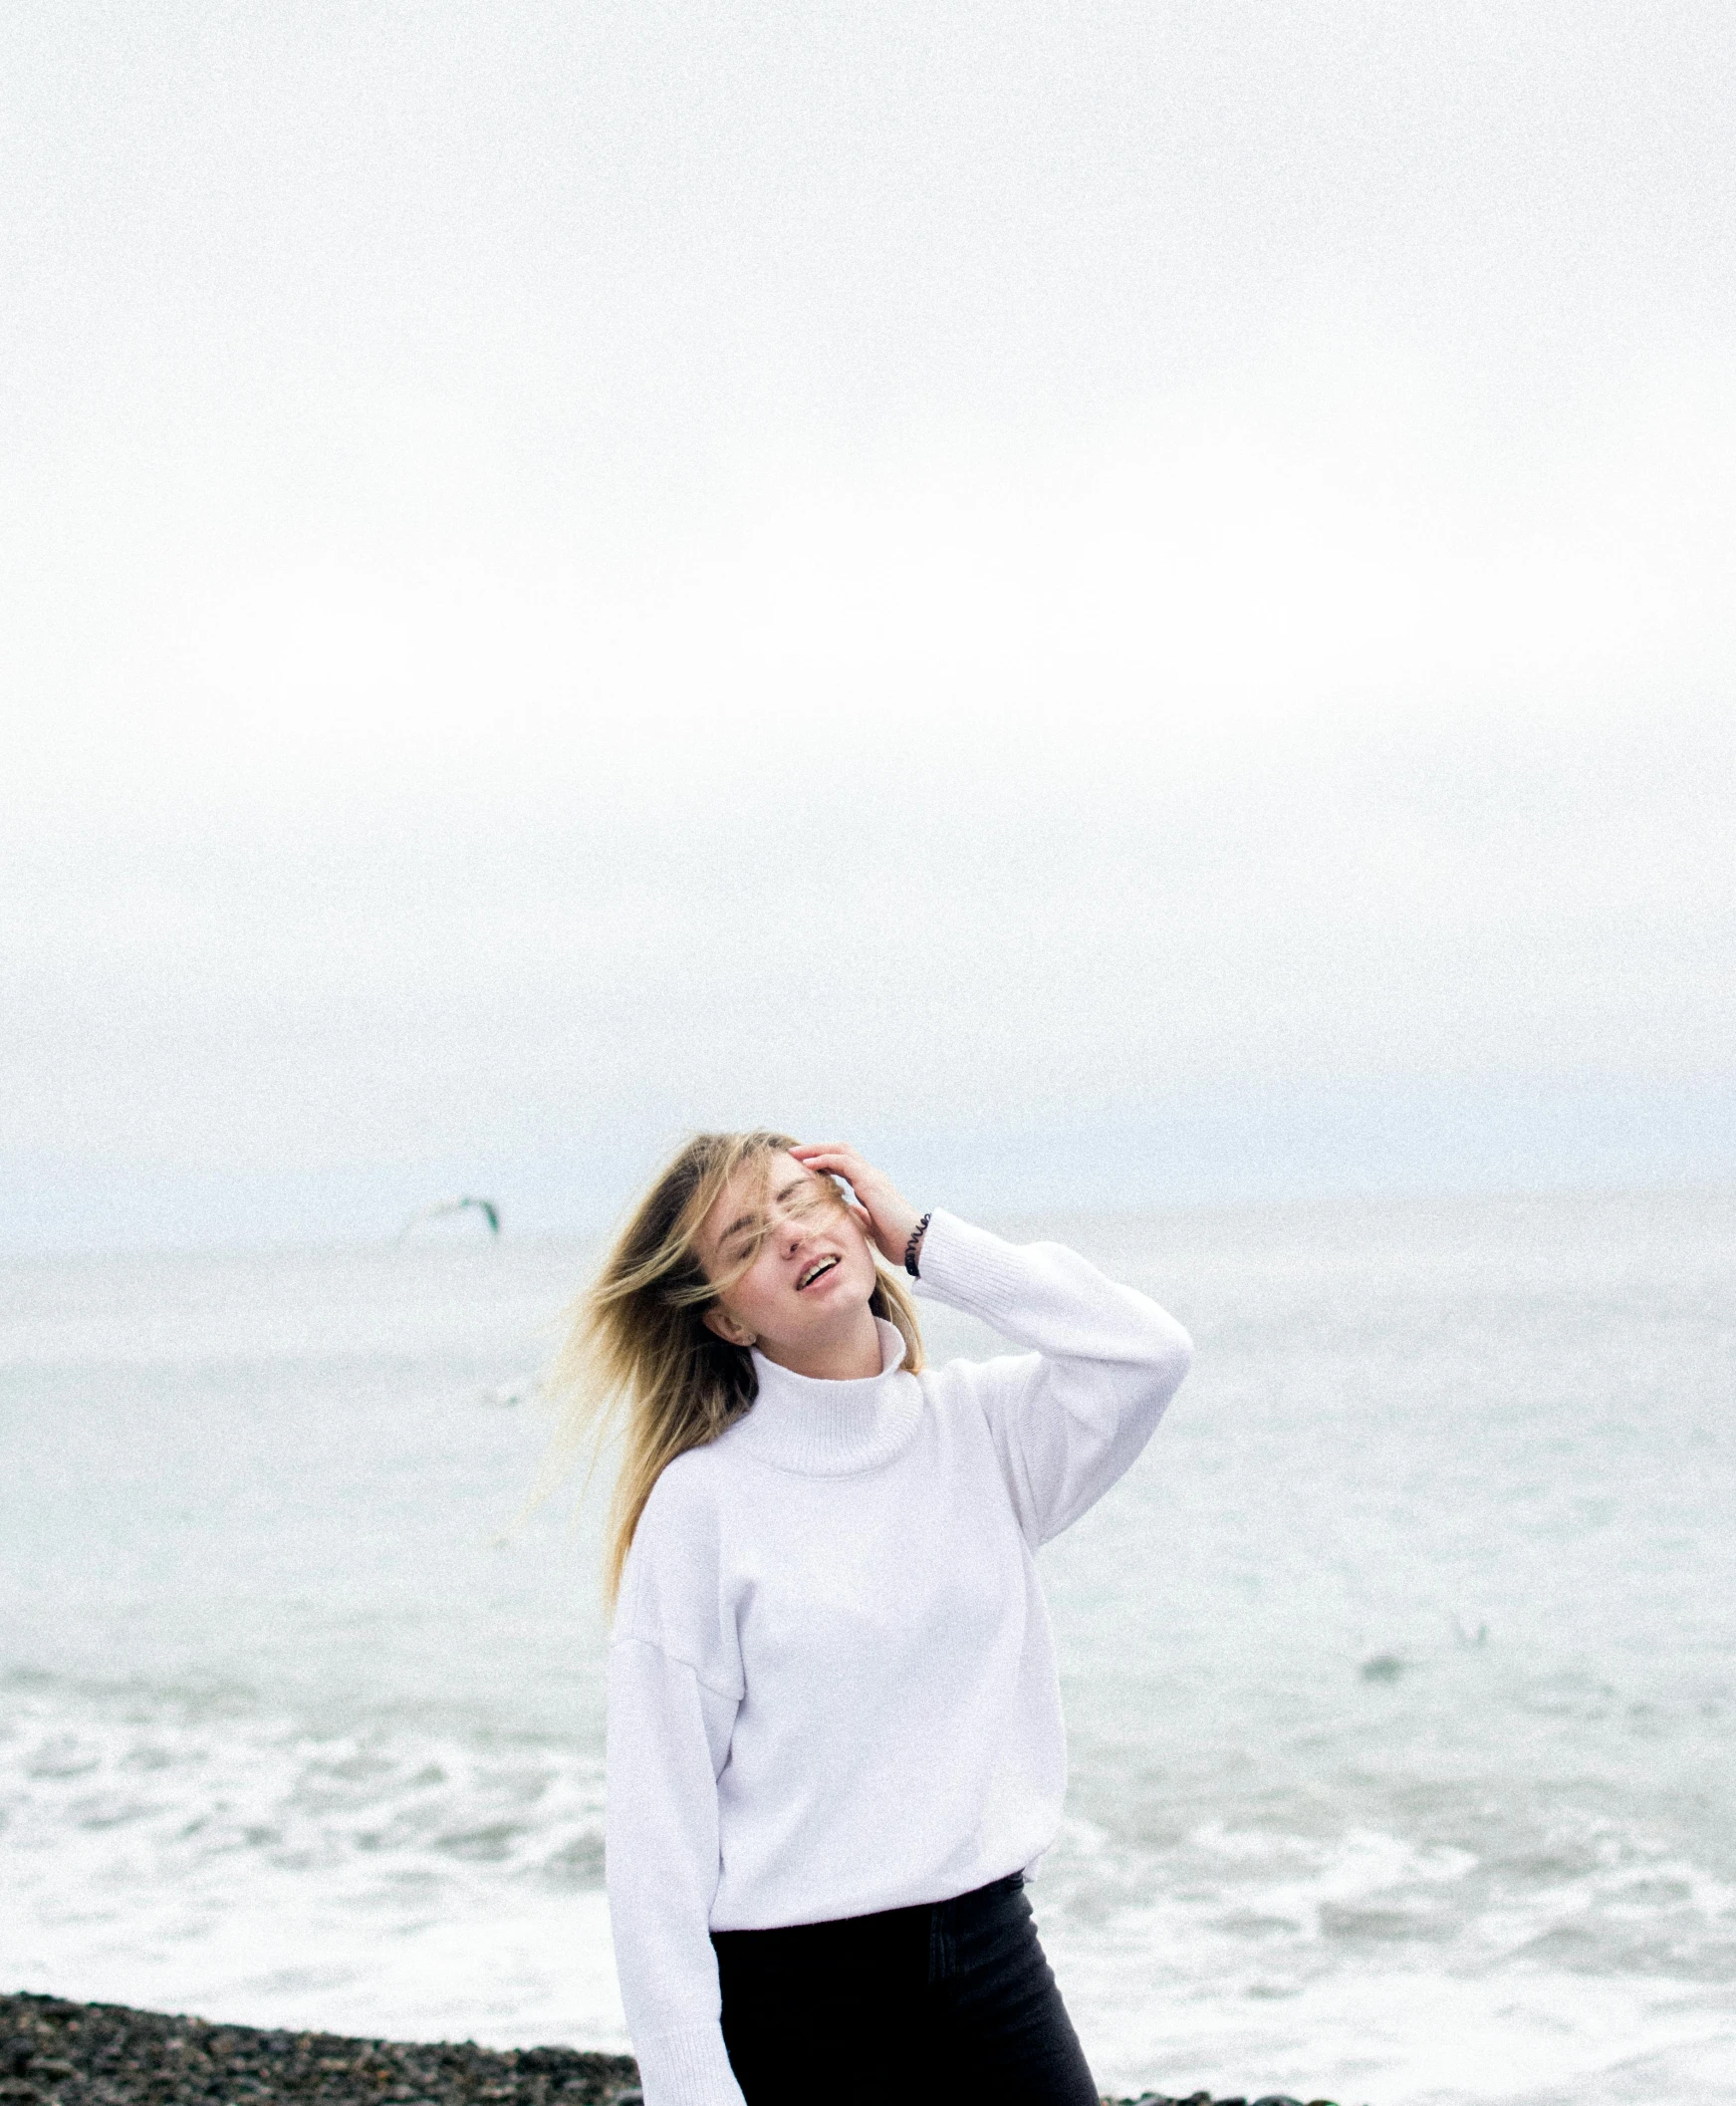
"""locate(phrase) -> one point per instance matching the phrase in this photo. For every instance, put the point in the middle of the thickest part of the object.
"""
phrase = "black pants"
(951, 2000)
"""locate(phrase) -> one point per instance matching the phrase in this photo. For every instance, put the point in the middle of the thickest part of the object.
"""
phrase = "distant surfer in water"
(835, 1733)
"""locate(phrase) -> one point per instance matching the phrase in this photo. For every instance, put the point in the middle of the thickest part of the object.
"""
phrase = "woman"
(835, 1735)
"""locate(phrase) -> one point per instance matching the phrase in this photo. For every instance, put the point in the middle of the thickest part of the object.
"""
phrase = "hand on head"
(884, 1213)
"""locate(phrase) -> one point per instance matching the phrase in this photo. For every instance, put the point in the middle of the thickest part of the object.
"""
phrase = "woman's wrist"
(913, 1248)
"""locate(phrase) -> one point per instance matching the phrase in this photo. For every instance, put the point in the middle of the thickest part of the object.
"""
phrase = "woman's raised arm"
(1070, 1415)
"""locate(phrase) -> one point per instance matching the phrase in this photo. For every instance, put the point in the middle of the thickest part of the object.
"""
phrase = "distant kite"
(487, 1208)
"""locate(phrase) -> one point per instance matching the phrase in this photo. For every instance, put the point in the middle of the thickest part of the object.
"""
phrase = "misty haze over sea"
(1129, 605)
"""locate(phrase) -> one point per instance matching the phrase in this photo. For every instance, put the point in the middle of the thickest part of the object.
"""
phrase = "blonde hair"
(638, 1358)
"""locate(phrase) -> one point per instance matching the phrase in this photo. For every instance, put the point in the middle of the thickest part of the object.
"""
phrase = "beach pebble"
(104, 2054)
(56, 2053)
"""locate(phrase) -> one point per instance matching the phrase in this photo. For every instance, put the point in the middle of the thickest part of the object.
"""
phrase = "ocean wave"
(176, 1850)
(160, 1853)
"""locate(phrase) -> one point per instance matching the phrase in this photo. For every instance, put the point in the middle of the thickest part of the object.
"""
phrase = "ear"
(719, 1321)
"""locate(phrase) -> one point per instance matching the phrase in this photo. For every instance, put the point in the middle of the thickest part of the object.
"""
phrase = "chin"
(855, 1291)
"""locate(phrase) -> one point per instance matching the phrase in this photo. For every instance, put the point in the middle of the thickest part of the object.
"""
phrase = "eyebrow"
(747, 1220)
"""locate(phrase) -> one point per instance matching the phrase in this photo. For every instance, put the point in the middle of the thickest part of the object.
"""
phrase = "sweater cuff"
(970, 1269)
(687, 2068)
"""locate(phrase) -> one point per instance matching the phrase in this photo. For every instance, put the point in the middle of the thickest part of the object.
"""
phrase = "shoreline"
(54, 2053)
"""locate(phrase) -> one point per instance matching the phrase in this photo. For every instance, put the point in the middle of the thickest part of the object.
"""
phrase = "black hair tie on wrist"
(916, 1244)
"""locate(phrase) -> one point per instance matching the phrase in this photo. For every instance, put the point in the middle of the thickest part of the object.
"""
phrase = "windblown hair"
(638, 1359)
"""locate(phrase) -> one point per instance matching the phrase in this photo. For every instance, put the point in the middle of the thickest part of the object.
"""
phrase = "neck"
(848, 1354)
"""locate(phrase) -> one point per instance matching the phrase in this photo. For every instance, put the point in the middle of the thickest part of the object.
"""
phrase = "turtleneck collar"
(832, 1428)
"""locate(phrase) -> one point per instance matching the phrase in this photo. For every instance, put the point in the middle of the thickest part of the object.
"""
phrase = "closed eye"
(796, 1203)
(816, 1195)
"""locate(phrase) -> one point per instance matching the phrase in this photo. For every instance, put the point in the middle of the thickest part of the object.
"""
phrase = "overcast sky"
(1127, 602)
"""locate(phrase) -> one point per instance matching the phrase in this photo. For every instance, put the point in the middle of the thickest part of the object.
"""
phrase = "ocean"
(1400, 1671)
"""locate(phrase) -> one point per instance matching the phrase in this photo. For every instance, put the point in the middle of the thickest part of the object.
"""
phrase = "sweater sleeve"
(1069, 1418)
(669, 1736)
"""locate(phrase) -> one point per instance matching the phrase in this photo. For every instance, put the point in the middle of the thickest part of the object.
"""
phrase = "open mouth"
(813, 1272)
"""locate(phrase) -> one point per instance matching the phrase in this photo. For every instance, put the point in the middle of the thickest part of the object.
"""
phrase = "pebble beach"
(66, 2054)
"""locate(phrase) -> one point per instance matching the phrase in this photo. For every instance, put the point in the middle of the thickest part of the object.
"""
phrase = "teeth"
(813, 1271)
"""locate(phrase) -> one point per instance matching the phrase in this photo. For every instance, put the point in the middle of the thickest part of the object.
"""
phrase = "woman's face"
(812, 1272)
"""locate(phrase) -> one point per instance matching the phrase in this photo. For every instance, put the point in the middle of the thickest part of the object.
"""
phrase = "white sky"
(575, 571)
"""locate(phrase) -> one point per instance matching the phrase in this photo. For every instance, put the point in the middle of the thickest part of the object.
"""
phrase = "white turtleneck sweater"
(832, 1687)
